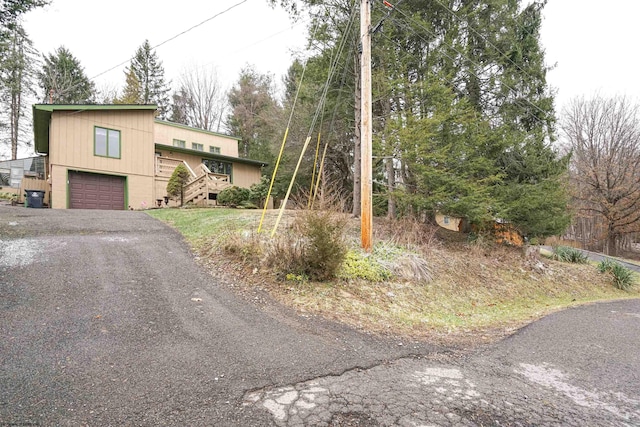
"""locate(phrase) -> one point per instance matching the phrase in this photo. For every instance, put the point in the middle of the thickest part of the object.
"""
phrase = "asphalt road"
(106, 319)
(596, 256)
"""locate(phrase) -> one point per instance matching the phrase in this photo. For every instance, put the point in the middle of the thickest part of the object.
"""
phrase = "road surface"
(106, 319)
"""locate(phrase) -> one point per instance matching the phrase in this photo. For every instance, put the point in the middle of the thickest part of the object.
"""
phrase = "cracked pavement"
(574, 368)
(105, 319)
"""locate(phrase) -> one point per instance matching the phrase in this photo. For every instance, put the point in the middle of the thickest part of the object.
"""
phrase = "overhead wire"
(175, 36)
(284, 141)
(218, 14)
(334, 61)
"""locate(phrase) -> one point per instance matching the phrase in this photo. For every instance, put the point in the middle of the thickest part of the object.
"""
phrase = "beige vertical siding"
(140, 192)
(166, 133)
(58, 187)
(243, 175)
(71, 142)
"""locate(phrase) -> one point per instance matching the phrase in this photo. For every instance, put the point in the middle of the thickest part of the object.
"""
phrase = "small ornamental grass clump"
(569, 254)
(622, 276)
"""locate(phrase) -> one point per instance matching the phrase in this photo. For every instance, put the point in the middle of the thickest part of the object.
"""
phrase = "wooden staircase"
(202, 181)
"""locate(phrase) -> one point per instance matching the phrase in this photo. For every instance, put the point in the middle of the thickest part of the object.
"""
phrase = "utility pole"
(366, 128)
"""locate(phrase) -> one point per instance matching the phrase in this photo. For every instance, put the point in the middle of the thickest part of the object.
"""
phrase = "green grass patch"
(418, 290)
(200, 225)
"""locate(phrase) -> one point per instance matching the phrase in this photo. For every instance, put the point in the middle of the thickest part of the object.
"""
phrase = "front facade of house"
(121, 157)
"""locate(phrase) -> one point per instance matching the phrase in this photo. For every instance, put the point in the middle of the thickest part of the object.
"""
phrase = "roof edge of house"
(42, 118)
(209, 132)
(212, 155)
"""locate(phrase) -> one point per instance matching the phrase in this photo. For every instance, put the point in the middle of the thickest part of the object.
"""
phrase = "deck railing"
(166, 165)
(202, 181)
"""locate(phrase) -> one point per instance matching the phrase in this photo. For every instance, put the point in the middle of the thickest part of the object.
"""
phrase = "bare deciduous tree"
(200, 100)
(604, 135)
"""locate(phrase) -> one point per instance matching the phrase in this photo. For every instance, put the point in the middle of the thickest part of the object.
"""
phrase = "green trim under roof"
(208, 155)
(208, 132)
(42, 118)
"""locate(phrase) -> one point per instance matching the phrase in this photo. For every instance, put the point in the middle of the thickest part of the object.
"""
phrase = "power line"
(173, 37)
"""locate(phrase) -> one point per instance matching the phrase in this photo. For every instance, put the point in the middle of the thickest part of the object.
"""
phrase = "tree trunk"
(391, 181)
(611, 244)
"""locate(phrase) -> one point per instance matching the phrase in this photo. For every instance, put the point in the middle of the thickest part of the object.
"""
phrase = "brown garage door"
(95, 191)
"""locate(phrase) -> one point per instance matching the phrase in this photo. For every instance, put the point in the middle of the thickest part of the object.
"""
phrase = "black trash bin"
(34, 198)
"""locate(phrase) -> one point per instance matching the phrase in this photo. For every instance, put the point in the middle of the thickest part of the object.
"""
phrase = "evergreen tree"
(11, 12)
(132, 90)
(255, 115)
(179, 178)
(461, 103)
(179, 107)
(16, 83)
(63, 81)
(149, 81)
(16, 72)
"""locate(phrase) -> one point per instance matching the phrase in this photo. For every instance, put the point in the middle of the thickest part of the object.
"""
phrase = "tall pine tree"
(16, 84)
(63, 81)
(255, 114)
(462, 105)
(16, 69)
(145, 78)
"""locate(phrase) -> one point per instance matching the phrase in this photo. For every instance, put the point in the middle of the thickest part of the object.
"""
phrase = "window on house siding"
(196, 146)
(179, 143)
(214, 150)
(106, 142)
(217, 166)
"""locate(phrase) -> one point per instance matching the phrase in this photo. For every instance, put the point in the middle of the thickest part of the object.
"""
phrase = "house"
(121, 156)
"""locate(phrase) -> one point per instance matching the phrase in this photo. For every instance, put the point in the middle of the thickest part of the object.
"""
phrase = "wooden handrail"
(166, 165)
(202, 180)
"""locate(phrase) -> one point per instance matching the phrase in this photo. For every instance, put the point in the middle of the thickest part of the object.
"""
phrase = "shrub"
(605, 265)
(258, 192)
(314, 246)
(360, 265)
(569, 254)
(179, 178)
(245, 247)
(384, 262)
(233, 196)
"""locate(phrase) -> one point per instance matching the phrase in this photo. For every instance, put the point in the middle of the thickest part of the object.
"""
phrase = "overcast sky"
(594, 46)
(592, 43)
(104, 34)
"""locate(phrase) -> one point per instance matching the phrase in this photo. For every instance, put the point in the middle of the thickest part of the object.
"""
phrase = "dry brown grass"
(476, 291)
